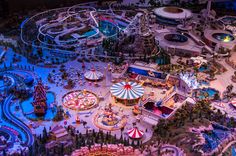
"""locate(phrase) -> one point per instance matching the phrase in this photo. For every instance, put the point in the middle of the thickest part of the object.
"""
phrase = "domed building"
(172, 15)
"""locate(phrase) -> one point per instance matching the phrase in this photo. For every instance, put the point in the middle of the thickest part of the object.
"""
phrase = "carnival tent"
(93, 75)
(135, 133)
(233, 102)
(127, 90)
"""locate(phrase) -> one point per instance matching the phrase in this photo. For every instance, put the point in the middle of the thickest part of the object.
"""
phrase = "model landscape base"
(119, 78)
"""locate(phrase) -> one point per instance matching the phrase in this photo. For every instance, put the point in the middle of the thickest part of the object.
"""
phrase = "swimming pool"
(229, 19)
(209, 91)
(108, 28)
(89, 33)
(203, 68)
(145, 73)
(176, 38)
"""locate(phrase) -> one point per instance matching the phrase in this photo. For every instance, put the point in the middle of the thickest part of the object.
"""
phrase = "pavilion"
(127, 93)
(93, 75)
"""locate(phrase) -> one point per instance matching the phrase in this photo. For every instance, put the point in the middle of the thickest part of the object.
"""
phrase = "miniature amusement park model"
(128, 78)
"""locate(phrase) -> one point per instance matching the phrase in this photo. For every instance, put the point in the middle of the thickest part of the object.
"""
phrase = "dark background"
(11, 6)
(15, 5)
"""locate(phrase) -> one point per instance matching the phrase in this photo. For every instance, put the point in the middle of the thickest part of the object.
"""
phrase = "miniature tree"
(115, 140)
(107, 136)
(94, 133)
(216, 96)
(45, 135)
(229, 88)
(70, 83)
(62, 149)
(97, 138)
(102, 136)
(4, 152)
(84, 123)
(121, 138)
(64, 75)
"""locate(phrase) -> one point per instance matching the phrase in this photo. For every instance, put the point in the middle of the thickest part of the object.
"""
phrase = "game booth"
(128, 93)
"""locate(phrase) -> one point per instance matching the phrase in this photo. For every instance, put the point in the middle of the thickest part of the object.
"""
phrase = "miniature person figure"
(83, 65)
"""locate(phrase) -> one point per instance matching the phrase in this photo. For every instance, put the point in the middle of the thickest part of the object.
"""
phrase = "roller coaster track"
(14, 120)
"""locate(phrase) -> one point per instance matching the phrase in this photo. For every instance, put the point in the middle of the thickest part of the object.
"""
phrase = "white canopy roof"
(127, 90)
(93, 75)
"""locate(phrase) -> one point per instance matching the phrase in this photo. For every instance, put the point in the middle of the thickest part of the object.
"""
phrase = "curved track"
(9, 132)
(70, 12)
(10, 117)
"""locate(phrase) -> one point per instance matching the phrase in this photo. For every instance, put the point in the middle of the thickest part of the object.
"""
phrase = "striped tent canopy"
(135, 133)
(93, 75)
(233, 102)
(127, 90)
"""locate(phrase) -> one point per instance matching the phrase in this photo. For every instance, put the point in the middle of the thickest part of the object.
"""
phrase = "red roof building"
(40, 99)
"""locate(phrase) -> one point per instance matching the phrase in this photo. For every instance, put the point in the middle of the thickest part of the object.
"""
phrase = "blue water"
(89, 33)
(229, 19)
(28, 107)
(145, 73)
(214, 137)
(211, 92)
(233, 151)
(203, 68)
(1, 83)
(108, 28)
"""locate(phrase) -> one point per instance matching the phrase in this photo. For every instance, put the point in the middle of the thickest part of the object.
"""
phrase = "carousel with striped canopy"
(93, 75)
(127, 93)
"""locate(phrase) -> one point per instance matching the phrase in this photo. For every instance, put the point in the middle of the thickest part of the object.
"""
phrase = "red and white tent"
(135, 133)
(233, 102)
